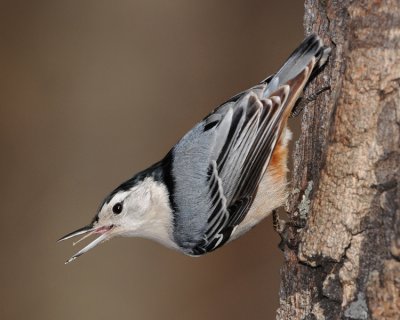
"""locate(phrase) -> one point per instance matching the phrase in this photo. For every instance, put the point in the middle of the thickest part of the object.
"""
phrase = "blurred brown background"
(90, 93)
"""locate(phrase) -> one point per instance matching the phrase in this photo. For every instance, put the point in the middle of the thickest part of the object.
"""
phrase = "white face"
(127, 211)
(142, 211)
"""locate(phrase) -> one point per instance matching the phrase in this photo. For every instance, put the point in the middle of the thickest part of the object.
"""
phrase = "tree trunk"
(342, 248)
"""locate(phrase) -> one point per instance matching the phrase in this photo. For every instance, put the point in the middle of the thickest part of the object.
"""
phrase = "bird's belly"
(271, 192)
(271, 195)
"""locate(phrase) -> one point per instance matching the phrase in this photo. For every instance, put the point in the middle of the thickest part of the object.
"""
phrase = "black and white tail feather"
(218, 165)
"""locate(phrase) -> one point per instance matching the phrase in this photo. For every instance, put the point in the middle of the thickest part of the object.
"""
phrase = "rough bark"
(342, 254)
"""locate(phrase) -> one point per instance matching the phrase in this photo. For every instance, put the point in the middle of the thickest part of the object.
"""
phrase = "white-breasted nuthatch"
(223, 177)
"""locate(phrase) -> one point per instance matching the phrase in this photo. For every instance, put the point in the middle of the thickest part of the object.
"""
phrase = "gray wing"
(218, 165)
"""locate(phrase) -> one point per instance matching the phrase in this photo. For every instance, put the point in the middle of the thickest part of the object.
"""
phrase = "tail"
(302, 65)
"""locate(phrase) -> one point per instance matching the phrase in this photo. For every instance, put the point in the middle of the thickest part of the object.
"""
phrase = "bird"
(223, 177)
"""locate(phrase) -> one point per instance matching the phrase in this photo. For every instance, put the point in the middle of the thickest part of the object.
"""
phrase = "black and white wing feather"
(217, 166)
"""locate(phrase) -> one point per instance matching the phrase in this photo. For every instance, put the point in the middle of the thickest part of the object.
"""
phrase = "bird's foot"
(303, 101)
(280, 227)
(287, 231)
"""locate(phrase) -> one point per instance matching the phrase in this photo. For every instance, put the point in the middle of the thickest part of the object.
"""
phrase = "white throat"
(157, 222)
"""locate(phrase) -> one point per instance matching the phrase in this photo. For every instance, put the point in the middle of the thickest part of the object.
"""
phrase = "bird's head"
(136, 208)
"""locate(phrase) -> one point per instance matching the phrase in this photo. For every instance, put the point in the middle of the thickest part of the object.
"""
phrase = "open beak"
(87, 231)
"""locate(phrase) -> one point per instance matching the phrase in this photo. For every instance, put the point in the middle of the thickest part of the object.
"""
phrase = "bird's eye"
(117, 208)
